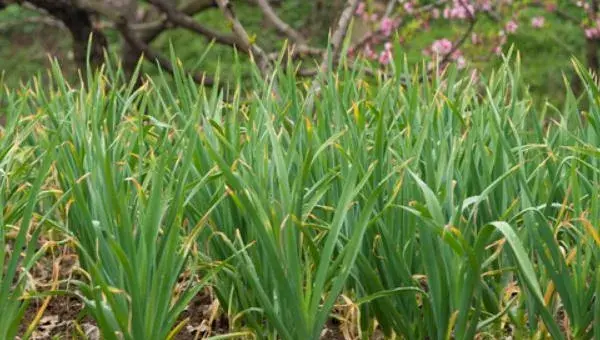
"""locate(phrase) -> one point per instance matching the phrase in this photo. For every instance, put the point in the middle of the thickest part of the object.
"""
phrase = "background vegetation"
(546, 52)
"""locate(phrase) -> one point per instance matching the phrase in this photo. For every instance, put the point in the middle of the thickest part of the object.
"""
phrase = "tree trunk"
(79, 23)
(130, 56)
(593, 62)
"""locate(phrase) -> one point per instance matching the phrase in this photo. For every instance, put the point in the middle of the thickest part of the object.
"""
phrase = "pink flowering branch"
(593, 61)
(456, 46)
(588, 18)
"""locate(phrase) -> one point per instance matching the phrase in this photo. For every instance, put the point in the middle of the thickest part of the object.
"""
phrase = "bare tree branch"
(299, 46)
(333, 52)
(390, 8)
(366, 39)
(279, 24)
(298, 52)
(196, 6)
(150, 30)
(337, 38)
(200, 78)
(244, 40)
(181, 19)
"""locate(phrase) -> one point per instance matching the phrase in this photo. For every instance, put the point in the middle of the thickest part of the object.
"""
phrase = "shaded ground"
(26, 51)
(64, 317)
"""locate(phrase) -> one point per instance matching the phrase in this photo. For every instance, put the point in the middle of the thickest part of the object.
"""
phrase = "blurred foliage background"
(28, 40)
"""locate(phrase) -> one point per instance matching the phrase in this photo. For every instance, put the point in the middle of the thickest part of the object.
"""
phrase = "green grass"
(439, 209)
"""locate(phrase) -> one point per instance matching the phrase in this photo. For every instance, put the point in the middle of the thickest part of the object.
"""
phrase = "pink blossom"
(485, 5)
(592, 33)
(456, 55)
(461, 62)
(374, 17)
(511, 26)
(408, 7)
(498, 50)
(442, 46)
(459, 10)
(583, 4)
(360, 10)
(435, 13)
(537, 22)
(475, 39)
(446, 13)
(551, 7)
(385, 57)
(388, 46)
(386, 26)
(369, 53)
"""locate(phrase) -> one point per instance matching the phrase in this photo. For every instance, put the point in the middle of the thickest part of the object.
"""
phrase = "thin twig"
(333, 52)
(376, 34)
(197, 6)
(149, 31)
(279, 24)
(338, 36)
(181, 19)
(390, 8)
(131, 38)
(244, 40)
(366, 39)
(298, 44)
